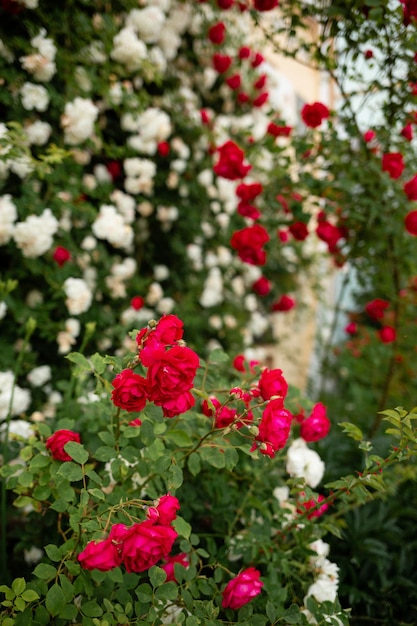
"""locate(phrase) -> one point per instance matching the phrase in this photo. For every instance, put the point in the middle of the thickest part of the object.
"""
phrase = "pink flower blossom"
(242, 589)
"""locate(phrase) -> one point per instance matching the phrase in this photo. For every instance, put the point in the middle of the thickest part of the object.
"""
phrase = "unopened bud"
(152, 324)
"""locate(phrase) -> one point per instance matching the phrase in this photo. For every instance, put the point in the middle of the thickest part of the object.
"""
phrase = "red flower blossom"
(317, 425)
(410, 188)
(262, 286)
(387, 334)
(241, 589)
(261, 99)
(411, 222)
(169, 565)
(272, 383)
(248, 191)
(221, 62)
(103, 555)
(277, 130)
(407, 132)
(265, 5)
(260, 82)
(230, 164)
(165, 510)
(56, 443)
(376, 308)
(298, 230)
(130, 391)
(137, 302)
(284, 303)
(244, 52)
(146, 543)
(248, 242)
(257, 60)
(234, 81)
(393, 163)
(217, 33)
(351, 328)
(313, 506)
(274, 428)
(248, 210)
(313, 114)
(61, 255)
(163, 148)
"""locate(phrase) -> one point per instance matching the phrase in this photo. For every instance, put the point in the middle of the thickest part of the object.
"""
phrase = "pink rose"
(168, 566)
(56, 442)
(171, 373)
(242, 589)
(313, 114)
(393, 163)
(317, 425)
(248, 242)
(272, 383)
(230, 164)
(274, 427)
(165, 511)
(146, 543)
(130, 391)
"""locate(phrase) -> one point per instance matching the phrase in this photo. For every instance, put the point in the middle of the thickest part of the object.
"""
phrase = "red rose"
(351, 328)
(217, 33)
(410, 188)
(274, 427)
(137, 302)
(313, 506)
(56, 442)
(130, 391)
(283, 304)
(169, 565)
(241, 589)
(265, 5)
(298, 230)
(248, 191)
(61, 255)
(165, 511)
(248, 242)
(313, 114)
(387, 334)
(272, 383)
(146, 543)
(411, 222)
(234, 81)
(104, 555)
(179, 405)
(376, 308)
(317, 425)
(114, 168)
(276, 130)
(393, 163)
(261, 99)
(171, 373)
(369, 135)
(224, 417)
(260, 82)
(163, 148)
(230, 164)
(221, 62)
(407, 132)
(257, 60)
(248, 210)
(206, 409)
(168, 330)
(244, 52)
(262, 286)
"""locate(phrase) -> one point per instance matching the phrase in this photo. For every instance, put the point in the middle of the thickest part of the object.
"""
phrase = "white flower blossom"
(34, 236)
(147, 22)
(38, 132)
(302, 462)
(8, 216)
(213, 289)
(110, 225)
(34, 97)
(39, 375)
(21, 397)
(79, 296)
(78, 120)
(128, 49)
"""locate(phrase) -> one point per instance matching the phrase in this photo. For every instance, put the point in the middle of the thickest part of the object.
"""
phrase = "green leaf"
(55, 600)
(213, 456)
(194, 463)
(182, 527)
(179, 437)
(80, 360)
(144, 593)
(19, 585)
(91, 609)
(77, 452)
(53, 552)
(99, 363)
(104, 453)
(97, 493)
(45, 571)
(174, 477)
(157, 576)
(71, 471)
(29, 595)
(352, 431)
(167, 591)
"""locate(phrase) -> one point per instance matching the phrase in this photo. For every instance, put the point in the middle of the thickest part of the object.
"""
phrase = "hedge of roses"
(149, 168)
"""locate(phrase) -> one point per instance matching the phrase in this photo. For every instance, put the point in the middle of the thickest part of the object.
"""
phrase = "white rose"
(34, 97)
